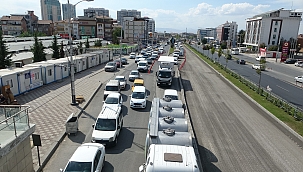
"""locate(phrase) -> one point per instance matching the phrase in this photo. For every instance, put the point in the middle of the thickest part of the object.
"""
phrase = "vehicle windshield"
(78, 167)
(111, 88)
(166, 74)
(171, 97)
(120, 79)
(138, 84)
(105, 124)
(134, 73)
(110, 64)
(142, 64)
(138, 95)
(111, 100)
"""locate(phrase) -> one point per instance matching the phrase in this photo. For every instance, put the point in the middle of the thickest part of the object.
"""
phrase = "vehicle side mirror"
(93, 125)
(156, 73)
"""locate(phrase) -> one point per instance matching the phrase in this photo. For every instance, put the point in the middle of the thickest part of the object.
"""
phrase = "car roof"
(85, 153)
(138, 80)
(170, 92)
(134, 71)
(120, 76)
(114, 95)
(139, 89)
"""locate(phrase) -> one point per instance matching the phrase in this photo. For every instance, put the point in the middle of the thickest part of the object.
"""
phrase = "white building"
(134, 29)
(127, 13)
(227, 32)
(93, 12)
(271, 26)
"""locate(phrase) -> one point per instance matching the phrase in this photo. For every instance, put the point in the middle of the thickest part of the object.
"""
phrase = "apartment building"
(61, 28)
(45, 26)
(135, 30)
(31, 20)
(87, 27)
(127, 13)
(13, 25)
(104, 27)
(69, 11)
(206, 33)
(227, 32)
(51, 10)
(271, 26)
(93, 12)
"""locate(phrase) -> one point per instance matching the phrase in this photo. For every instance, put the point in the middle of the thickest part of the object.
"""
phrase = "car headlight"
(93, 139)
(111, 139)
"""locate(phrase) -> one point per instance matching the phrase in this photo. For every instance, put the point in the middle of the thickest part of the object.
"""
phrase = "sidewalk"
(50, 107)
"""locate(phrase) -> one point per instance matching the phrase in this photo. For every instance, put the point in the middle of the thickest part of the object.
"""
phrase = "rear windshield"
(78, 166)
(134, 73)
(111, 88)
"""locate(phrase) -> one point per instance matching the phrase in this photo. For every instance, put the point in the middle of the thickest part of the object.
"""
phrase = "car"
(149, 60)
(299, 63)
(123, 81)
(290, 61)
(170, 94)
(241, 61)
(89, 157)
(138, 97)
(299, 79)
(145, 56)
(124, 61)
(112, 86)
(114, 101)
(142, 66)
(258, 66)
(258, 58)
(154, 56)
(137, 82)
(134, 74)
(137, 58)
(118, 63)
(110, 66)
(132, 55)
(229, 57)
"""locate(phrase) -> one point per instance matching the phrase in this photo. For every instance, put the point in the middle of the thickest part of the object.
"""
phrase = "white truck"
(166, 71)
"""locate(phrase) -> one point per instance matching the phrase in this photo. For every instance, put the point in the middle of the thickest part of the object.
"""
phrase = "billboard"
(284, 51)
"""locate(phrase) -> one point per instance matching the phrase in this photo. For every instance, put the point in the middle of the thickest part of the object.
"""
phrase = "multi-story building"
(87, 27)
(227, 32)
(13, 25)
(93, 12)
(51, 10)
(61, 28)
(31, 20)
(45, 26)
(135, 30)
(127, 13)
(104, 27)
(271, 26)
(69, 11)
(206, 33)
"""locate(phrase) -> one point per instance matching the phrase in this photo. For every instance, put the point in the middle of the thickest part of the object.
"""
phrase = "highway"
(279, 76)
(234, 133)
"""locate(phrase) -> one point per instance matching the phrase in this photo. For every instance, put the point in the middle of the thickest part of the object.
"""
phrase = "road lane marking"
(282, 88)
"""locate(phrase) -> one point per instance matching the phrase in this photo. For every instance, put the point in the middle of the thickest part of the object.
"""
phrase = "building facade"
(87, 27)
(127, 13)
(206, 33)
(13, 25)
(104, 28)
(69, 11)
(45, 26)
(93, 12)
(134, 30)
(272, 26)
(51, 10)
(31, 20)
(227, 32)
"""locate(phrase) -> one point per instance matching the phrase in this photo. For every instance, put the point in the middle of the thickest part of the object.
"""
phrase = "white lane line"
(282, 88)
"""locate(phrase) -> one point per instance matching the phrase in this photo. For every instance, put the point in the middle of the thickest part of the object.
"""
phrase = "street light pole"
(120, 46)
(72, 65)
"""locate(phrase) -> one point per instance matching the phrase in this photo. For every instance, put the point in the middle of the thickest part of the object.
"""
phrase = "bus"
(235, 51)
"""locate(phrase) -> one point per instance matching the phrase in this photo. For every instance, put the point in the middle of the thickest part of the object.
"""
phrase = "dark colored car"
(290, 61)
(117, 61)
(124, 61)
(241, 61)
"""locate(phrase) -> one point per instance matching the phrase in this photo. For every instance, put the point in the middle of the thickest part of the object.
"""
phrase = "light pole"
(120, 47)
(72, 65)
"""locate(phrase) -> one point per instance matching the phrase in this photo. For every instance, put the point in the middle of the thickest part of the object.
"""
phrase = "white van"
(113, 86)
(235, 51)
(107, 126)
(142, 66)
(138, 97)
(165, 158)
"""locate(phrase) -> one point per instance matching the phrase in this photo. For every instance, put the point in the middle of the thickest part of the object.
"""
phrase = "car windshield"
(110, 64)
(78, 167)
(120, 79)
(111, 100)
(134, 73)
(105, 124)
(163, 74)
(138, 84)
(111, 88)
(138, 95)
(171, 97)
(142, 64)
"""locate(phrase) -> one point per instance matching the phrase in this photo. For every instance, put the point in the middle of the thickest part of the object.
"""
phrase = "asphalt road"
(233, 133)
(278, 76)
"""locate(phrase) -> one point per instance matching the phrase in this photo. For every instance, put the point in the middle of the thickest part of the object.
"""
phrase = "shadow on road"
(108, 167)
(125, 141)
(79, 137)
(208, 158)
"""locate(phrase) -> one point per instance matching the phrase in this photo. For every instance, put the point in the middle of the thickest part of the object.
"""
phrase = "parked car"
(299, 63)
(258, 58)
(122, 80)
(290, 61)
(89, 157)
(258, 66)
(132, 55)
(118, 62)
(110, 66)
(124, 61)
(299, 79)
(134, 74)
(241, 61)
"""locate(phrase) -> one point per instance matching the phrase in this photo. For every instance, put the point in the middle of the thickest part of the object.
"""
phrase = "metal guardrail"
(14, 118)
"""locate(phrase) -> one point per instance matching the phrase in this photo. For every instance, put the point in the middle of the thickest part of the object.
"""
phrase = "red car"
(118, 63)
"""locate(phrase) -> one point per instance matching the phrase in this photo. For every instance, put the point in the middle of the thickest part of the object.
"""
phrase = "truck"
(165, 71)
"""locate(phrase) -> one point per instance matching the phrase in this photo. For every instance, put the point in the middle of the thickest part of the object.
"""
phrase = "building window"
(49, 72)
(275, 29)
(273, 42)
(274, 37)
(276, 23)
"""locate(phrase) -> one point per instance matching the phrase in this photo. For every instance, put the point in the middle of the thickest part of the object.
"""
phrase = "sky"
(172, 15)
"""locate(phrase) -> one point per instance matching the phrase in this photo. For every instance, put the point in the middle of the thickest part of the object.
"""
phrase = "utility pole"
(121, 46)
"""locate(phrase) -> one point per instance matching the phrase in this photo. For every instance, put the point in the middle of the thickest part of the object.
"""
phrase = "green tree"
(38, 51)
(262, 45)
(86, 43)
(199, 43)
(55, 48)
(80, 47)
(226, 58)
(273, 48)
(98, 43)
(220, 52)
(223, 45)
(5, 56)
(259, 72)
(204, 41)
(241, 37)
(61, 50)
(212, 51)
(117, 35)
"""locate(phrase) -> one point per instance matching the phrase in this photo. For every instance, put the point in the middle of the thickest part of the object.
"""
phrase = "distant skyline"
(174, 15)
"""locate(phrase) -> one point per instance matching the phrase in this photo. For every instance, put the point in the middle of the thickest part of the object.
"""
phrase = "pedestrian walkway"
(50, 107)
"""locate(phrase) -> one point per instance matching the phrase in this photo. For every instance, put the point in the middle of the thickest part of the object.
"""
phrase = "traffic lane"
(230, 128)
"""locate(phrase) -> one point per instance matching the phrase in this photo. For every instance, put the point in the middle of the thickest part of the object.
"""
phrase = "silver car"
(134, 74)
(122, 80)
(110, 66)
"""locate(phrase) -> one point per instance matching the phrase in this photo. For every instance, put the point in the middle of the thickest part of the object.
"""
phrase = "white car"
(258, 66)
(260, 57)
(89, 157)
(299, 79)
(142, 65)
(134, 74)
(132, 55)
(171, 94)
(299, 63)
(138, 97)
(123, 81)
(114, 101)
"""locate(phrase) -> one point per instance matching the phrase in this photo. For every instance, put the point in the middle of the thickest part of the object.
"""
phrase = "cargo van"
(113, 86)
(138, 97)
(107, 127)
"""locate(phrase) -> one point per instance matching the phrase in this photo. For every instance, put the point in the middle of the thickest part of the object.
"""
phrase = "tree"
(273, 48)
(5, 56)
(98, 43)
(199, 43)
(220, 52)
(38, 51)
(226, 58)
(80, 46)
(298, 49)
(259, 72)
(262, 45)
(223, 45)
(212, 51)
(204, 41)
(241, 37)
(86, 43)
(117, 35)
(61, 53)
(55, 48)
